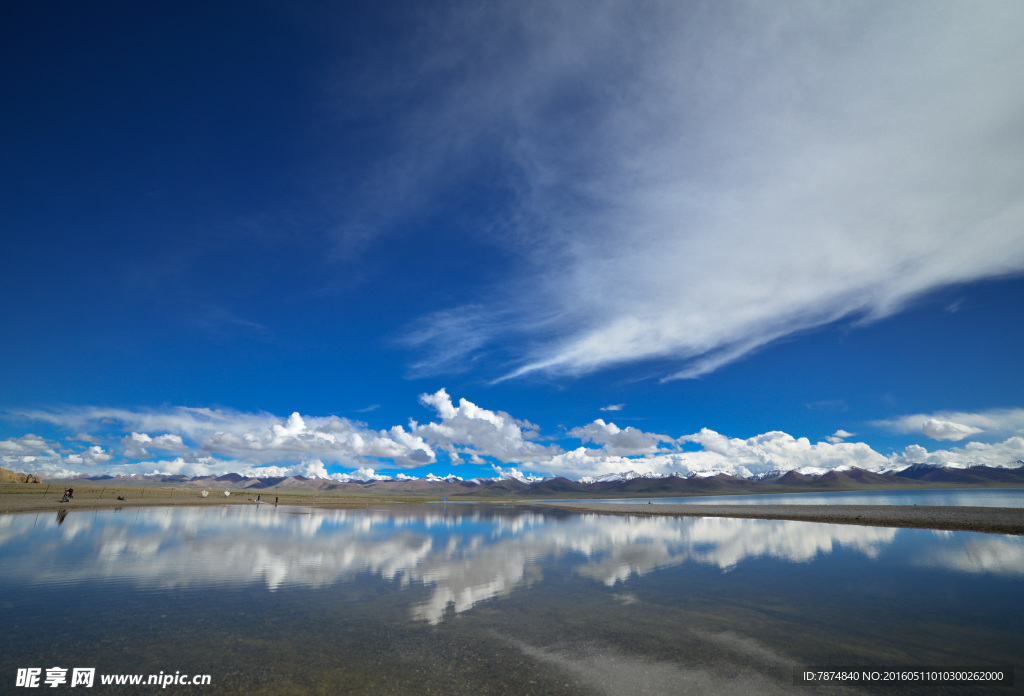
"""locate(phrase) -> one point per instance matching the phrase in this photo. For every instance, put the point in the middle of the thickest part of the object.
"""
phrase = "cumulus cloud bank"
(211, 441)
(696, 181)
(33, 454)
(1006, 453)
(254, 439)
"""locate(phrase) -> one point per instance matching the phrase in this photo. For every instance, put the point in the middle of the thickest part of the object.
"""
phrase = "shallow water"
(481, 599)
(980, 497)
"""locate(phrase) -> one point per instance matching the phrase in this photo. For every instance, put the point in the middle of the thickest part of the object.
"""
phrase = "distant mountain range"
(625, 484)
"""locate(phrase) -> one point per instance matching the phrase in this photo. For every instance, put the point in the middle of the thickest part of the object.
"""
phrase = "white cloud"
(187, 465)
(582, 462)
(617, 441)
(272, 471)
(735, 456)
(265, 445)
(467, 430)
(613, 407)
(135, 444)
(36, 455)
(91, 456)
(313, 468)
(1009, 453)
(517, 474)
(450, 340)
(30, 454)
(697, 184)
(26, 445)
(367, 474)
(957, 425)
(254, 436)
(947, 430)
(779, 450)
(191, 422)
(331, 437)
(839, 436)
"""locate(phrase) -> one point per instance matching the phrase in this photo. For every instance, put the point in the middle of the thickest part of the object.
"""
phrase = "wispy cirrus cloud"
(692, 182)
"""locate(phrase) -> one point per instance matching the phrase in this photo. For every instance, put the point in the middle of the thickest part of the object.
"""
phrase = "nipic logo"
(55, 676)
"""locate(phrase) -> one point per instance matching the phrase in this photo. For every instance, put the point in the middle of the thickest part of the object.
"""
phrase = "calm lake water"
(495, 600)
(981, 497)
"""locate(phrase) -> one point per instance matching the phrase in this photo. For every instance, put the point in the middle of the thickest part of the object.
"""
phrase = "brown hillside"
(8, 476)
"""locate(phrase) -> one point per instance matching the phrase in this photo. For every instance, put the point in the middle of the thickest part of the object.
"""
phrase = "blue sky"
(550, 238)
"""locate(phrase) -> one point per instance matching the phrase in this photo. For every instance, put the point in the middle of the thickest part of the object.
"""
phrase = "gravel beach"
(991, 520)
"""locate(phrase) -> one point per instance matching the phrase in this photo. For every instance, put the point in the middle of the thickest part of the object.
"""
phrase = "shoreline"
(989, 520)
(13, 503)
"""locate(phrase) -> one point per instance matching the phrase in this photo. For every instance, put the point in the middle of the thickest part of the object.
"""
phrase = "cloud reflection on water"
(463, 556)
(992, 555)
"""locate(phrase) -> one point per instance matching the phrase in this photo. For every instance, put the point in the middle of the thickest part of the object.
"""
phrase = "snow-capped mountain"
(515, 482)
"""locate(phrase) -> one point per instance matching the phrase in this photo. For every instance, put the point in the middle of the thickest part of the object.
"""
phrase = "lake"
(981, 497)
(495, 599)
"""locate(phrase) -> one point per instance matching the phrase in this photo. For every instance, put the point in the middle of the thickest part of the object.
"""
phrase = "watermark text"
(36, 677)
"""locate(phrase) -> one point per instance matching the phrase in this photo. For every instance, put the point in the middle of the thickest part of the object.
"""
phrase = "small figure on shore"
(275, 500)
(258, 498)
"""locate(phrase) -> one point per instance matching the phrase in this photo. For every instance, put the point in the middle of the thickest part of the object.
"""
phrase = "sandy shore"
(954, 518)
